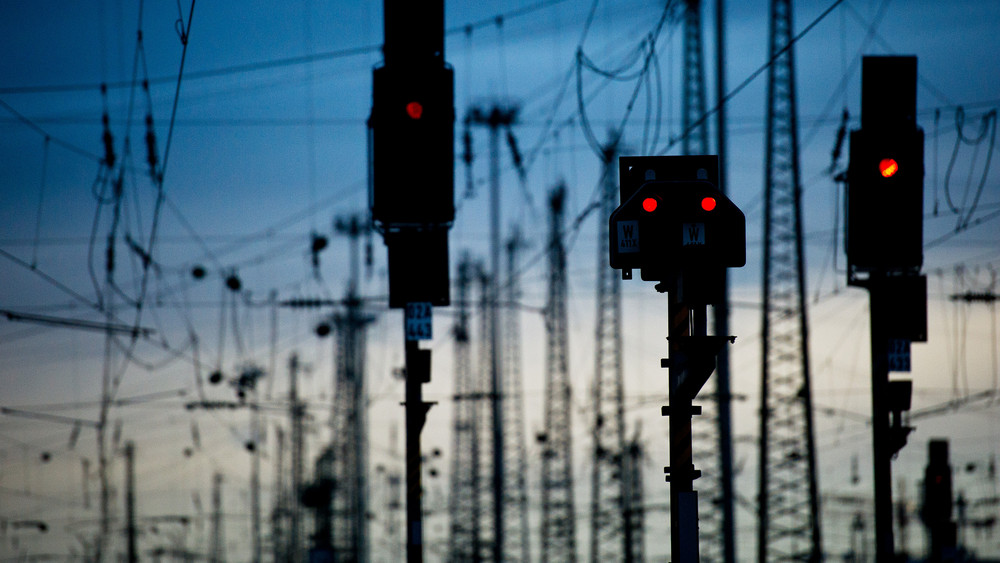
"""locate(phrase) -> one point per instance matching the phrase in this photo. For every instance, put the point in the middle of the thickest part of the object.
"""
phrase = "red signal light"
(649, 204)
(888, 167)
(708, 203)
(414, 110)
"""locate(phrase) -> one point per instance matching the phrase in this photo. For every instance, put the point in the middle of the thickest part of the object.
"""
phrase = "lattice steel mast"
(693, 100)
(610, 538)
(558, 525)
(710, 438)
(464, 543)
(496, 117)
(788, 512)
(516, 532)
(485, 387)
(350, 433)
(636, 514)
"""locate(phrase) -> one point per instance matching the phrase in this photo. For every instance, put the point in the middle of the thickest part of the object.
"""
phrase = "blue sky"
(268, 146)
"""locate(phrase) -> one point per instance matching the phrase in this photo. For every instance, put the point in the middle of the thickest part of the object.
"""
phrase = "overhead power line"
(274, 63)
(65, 144)
(75, 323)
(209, 73)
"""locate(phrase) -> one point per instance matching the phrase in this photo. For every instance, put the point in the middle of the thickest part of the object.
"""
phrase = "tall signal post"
(678, 229)
(413, 200)
(886, 171)
(788, 497)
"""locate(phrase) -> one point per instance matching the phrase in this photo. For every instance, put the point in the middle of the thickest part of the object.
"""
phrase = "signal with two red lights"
(666, 227)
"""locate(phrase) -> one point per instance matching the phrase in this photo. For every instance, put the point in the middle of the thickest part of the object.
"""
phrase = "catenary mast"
(558, 525)
(788, 510)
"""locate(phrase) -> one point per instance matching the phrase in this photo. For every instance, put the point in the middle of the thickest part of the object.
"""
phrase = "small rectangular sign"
(899, 354)
(694, 234)
(628, 236)
(419, 320)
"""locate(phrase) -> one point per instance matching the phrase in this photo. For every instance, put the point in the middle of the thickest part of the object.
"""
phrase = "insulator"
(110, 256)
(109, 143)
(151, 156)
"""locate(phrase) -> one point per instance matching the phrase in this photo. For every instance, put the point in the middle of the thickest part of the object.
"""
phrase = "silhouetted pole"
(133, 555)
(496, 117)
(683, 498)
(413, 123)
(418, 372)
(721, 312)
(692, 357)
(295, 412)
(279, 511)
(255, 478)
(882, 451)
(217, 544)
(887, 263)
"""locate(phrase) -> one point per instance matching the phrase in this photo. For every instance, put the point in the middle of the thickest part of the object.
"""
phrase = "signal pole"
(681, 231)
(217, 547)
(296, 411)
(133, 554)
(412, 200)
(886, 168)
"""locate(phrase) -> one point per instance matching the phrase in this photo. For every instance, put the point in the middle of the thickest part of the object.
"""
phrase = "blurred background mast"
(710, 432)
(558, 525)
(515, 486)
(464, 542)
(788, 511)
(610, 537)
(350, 428)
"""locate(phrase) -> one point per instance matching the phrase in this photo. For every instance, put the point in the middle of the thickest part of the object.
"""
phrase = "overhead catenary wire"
(56, 140)
(987, 128)
(274, 63)
(648, 44)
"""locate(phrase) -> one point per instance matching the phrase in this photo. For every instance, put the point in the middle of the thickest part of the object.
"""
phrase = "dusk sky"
(262, 143)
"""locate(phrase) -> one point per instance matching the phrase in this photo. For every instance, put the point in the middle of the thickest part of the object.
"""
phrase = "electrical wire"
(56, 140)
(271, 64)
(51, 280)
(647, 44)
(850, 72)
(41, 200)
(987, 127)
